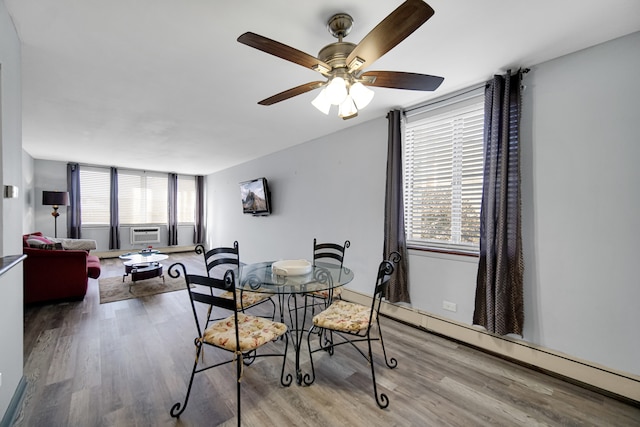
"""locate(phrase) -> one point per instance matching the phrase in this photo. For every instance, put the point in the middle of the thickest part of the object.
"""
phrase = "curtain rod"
(125, 168)
(454, 95)
(439, 100)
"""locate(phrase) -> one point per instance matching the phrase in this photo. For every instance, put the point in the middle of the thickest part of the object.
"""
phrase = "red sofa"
(54, 275)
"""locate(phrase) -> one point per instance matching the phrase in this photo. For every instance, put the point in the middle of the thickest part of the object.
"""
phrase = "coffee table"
(142, 265)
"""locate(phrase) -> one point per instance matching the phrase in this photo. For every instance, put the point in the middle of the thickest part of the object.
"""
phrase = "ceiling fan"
(342, 63)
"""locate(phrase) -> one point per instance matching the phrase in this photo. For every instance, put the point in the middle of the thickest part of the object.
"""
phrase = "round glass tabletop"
(260, 277)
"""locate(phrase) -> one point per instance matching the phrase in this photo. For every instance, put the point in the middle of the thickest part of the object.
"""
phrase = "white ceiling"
(164, 85)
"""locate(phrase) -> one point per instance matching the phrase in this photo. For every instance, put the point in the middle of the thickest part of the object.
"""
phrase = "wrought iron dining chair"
(331, 253)
(239, 334)
(352, 323)
(218, 261)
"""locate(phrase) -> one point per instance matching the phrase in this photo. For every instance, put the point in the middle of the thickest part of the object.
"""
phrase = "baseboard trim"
(14, 406)
(618, 383)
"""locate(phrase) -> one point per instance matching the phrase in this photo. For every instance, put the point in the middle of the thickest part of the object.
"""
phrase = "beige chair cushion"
(344, 316)
(248, 298)
(325, 293)
(254, 332)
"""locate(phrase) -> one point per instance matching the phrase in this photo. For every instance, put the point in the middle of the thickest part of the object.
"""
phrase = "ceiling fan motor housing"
(335, 54)
(339, 25)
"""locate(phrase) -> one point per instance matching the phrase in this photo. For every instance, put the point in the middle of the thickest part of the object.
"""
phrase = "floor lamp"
(55, 199)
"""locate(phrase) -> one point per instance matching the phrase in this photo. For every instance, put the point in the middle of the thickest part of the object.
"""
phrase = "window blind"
(443, 175)
(186, 199)
(142, 197)
(94, 195)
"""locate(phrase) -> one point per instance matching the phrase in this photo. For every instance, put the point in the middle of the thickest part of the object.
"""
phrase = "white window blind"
(443, 175)
(186, 199)
(94, 195)
(142, 197)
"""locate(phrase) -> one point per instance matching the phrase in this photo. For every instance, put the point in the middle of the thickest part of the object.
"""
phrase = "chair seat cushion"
(325, 293)
(248, 298)
(344, 316)
(253, 331)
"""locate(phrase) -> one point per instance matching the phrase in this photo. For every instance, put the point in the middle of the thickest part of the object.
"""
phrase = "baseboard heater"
(623, 385)
(145, 235)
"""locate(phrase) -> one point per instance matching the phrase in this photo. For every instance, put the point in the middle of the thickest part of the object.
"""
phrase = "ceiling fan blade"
(283, 51)
(403, 21)
(400, 80)
(290, 93)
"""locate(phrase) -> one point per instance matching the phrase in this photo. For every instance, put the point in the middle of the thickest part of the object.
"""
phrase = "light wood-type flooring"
(126, 363)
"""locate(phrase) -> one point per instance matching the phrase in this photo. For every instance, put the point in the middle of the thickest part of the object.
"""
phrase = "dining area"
(128, 362)
(306, 315)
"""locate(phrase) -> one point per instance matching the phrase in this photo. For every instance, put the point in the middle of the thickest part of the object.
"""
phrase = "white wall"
(49, 176)
(580, 146)
(28, 193)
(331, 188)
(11, 300)
(582, 200)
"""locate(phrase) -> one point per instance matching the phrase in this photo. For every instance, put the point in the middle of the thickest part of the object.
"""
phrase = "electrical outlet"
(450, 306)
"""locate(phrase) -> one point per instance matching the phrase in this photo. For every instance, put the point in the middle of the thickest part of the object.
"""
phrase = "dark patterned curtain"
(114, 217)
(394, 232)
(499, 289)
(173, 209)
(198, 232)
(74, 224)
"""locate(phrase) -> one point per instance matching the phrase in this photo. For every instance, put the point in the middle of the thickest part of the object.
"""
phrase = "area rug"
(114, 289)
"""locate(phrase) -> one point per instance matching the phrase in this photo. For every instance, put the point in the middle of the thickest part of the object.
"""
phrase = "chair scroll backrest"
(329, 250)
(196, 284)
(385, 270)
(219, 260)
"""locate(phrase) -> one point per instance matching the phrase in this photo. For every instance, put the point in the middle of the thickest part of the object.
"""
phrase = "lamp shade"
(361, 95)
(336, 90)
(55, 198)
(347, 109)
(321, 102)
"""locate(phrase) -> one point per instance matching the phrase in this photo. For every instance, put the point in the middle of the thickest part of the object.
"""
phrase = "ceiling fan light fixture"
(336, 90)
(347, 108)
(361, 95)
(321, 102)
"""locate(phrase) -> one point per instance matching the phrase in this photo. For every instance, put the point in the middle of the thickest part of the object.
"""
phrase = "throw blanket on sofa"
(75, 244)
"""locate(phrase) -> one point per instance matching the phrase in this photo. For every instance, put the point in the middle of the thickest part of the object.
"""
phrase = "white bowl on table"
(291, 267)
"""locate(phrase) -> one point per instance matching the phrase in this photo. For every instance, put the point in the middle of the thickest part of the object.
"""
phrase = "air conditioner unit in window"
(145, 235)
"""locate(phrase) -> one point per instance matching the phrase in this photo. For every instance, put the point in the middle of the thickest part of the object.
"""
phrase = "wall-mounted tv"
(256, 199)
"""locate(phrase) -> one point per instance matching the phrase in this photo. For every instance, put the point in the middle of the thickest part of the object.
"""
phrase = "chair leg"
(179, 408)
(382, 400)
(391, 362)
(325, 338)
(238, 383)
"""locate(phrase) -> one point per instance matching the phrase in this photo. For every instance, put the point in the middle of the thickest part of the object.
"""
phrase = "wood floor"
(126, 363)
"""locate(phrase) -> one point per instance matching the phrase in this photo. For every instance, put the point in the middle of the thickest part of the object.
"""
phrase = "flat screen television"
(256, 199)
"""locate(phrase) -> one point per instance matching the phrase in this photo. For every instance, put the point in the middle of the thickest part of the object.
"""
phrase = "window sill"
(442, 251)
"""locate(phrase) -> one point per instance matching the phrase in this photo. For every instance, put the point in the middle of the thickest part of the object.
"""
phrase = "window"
(443, 161)
(186, 199)
(94, 195)
(142, 197)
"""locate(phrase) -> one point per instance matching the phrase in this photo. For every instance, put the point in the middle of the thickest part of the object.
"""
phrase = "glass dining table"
(260, 277)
